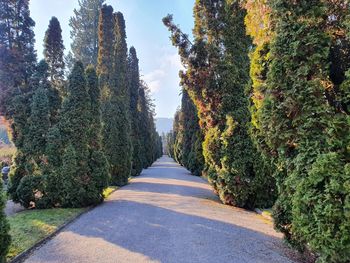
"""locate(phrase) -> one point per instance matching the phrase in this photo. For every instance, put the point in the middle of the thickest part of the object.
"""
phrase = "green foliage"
(39, 124)
(4, 228)
(134, 84)
(121, 168)
(187, 136)
(84, 31)
(54, 54)
(18, 171)
(300, 122)
(30, 190)
(79, 187)
(216, 79)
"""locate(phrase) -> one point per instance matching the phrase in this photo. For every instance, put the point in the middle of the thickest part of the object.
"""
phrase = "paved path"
(165, 215)
(12, 208)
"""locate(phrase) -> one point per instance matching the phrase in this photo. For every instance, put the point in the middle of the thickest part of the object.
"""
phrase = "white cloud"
(169, 66)
(153, 79)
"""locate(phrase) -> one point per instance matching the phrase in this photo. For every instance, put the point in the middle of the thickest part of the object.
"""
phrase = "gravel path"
(165, 215)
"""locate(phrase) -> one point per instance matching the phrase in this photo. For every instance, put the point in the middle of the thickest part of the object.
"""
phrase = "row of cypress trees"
(77, 135)
(270, 82)
(185, 140)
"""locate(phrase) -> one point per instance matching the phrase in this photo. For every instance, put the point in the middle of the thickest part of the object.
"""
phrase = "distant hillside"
(164, 125)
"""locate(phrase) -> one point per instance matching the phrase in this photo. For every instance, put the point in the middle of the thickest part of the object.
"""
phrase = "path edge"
(26, 253)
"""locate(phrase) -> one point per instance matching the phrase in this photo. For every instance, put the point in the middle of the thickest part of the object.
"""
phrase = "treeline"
(269, 82)
(78, 134)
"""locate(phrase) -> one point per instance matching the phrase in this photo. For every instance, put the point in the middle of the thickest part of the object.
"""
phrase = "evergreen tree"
(17, 64)
(54, 54)
(134, 84)
(105, 50)
(120, 99)
(98, 161)
(39, 124)
(192, 156)
(216, 78)
(84, 31)
(304, 125)
(146, 125)
(78, 189)
(4, 229)
(17, 54)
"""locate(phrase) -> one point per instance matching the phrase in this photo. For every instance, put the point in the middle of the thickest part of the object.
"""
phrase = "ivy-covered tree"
(134, 84)
(84, 31)
(54, 54)
(5, 238)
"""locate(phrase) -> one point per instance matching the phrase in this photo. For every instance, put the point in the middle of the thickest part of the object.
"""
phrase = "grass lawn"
(31, 226)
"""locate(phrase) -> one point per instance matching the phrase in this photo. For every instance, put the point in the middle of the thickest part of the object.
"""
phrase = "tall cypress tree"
(98, 162)
(84, 31)
(192, 139)
(4, 229)
(77, 185)
(17, 56)
(54, 54)
(17, 64)
(105, 50)
(305, 131)
(134, 84)
(121, 95)
(217, 74)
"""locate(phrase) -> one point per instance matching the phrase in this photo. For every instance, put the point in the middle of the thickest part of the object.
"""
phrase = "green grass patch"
(29, 227)
(109, 190)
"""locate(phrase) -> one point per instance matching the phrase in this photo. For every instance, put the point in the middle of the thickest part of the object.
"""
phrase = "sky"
(159, 61)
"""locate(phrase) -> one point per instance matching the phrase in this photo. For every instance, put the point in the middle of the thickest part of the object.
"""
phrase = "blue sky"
(159, 62)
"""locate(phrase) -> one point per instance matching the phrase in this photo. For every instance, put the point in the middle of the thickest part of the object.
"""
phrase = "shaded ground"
(12, 208)
(165, 215)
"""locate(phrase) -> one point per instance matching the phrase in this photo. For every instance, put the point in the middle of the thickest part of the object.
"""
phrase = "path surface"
(165, 215)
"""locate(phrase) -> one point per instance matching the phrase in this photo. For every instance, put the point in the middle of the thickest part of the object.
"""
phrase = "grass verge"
(31, 226)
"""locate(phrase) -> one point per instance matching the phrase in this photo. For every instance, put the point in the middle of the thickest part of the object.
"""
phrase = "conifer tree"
(98, 162)
(217, 74)
(120, 99)
(39, 124)
(192, 152)
(146, 125)
(134, 84)
(78, 189)
(54, 54)
(17, 54)
(4, 229)
(84, 31)
(105, 50)
(17, 65)
(303, 128)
